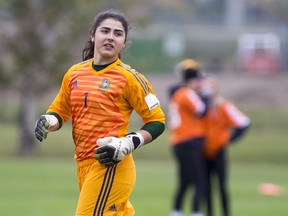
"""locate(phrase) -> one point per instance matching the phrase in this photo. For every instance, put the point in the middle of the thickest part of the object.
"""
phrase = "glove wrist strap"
(52, 121)
(136, 138)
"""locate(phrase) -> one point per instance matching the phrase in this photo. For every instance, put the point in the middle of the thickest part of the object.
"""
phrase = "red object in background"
(270, 189)
(259, 53)
(261, 62)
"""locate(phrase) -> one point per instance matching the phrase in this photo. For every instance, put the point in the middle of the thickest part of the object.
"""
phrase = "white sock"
(176, 213)
(197, 214)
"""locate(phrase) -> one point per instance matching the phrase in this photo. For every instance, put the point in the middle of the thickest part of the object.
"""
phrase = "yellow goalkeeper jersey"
(101, 102)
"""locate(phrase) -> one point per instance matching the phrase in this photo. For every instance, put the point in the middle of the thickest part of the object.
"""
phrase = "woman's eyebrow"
(108, 28)
(119, 30)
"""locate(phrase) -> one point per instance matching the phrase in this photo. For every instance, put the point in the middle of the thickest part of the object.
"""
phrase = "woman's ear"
(92, 38)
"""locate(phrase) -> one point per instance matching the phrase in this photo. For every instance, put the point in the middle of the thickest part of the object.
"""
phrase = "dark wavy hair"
(88, 51)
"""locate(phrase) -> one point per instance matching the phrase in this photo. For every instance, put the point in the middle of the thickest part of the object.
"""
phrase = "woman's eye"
(105, 31)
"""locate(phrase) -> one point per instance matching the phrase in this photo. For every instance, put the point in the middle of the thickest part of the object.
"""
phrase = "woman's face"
(195, 84)
(109, 39)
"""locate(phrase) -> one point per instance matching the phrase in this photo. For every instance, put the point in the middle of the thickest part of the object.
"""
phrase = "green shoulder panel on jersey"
(138, 76)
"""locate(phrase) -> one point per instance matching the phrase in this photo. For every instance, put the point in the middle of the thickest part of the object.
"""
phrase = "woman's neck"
(103, 61)
(99, 67)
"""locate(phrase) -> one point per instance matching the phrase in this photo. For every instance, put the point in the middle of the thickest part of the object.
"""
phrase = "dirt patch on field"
(242, 89)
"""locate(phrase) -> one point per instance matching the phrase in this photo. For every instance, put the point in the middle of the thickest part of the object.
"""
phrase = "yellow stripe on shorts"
(105, 191)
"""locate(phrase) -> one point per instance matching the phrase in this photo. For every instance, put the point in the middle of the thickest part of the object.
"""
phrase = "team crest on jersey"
(105, 84)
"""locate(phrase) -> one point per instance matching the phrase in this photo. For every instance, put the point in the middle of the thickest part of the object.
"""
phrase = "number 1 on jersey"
(86, 99)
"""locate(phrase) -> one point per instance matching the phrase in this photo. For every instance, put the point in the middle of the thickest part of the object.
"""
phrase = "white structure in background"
(259, 53)
(174, 45)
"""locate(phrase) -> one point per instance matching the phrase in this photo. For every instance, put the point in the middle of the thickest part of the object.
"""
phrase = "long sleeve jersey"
(101, 102)
(185, 110)
(219, 122)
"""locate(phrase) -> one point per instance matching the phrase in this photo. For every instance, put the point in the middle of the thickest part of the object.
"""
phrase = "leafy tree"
(39, 37)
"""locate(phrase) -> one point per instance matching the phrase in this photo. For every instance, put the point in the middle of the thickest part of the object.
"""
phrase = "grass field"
(46, 187)
(45, 183)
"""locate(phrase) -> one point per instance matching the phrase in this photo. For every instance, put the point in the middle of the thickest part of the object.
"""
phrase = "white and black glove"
(43, 126)
(111, 150)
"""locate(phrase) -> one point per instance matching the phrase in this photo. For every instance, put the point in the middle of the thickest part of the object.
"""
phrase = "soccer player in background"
(99, 94)
(186, 111)
(224, 124)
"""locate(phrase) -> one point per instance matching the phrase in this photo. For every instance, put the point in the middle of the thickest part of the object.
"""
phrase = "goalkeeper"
(99, 94)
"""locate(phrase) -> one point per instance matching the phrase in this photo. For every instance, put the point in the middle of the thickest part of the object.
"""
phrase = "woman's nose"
(111, 36)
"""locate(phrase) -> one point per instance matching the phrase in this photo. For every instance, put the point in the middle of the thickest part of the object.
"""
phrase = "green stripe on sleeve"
(154, 128)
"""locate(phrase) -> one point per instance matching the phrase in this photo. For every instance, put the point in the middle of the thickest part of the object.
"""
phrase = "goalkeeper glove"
(44, 125)
(111, 150)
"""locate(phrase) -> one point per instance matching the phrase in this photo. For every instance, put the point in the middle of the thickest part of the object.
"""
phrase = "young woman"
(99, 94)
(187, 137)
(224, 124)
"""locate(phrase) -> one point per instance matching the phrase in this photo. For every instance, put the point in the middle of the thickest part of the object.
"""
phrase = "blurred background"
(243, 42)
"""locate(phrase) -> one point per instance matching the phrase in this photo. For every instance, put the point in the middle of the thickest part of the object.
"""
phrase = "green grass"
(37, 187)
(45, 183)
(49, 187)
